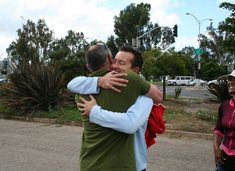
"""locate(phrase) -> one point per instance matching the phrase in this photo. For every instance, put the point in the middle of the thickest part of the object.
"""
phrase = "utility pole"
(199, 51)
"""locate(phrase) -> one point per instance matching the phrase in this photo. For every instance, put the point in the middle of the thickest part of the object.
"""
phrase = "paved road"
(189, 91)
(26, 146)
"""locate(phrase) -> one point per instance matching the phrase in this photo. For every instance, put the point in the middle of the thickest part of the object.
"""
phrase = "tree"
(228, 27)
(38, 80)
(150, 61)
(167, 38)
(75, 42)
(219, 46)
(152, 38)
(188, 51)
(171, 63)
(131, 22)
(175, 63)
(213, 47)
(212, 70)
(69, 54)
(134, 21)
(112, 45)
(33, 42)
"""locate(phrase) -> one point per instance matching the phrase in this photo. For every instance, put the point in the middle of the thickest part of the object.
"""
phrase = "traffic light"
(175, 30)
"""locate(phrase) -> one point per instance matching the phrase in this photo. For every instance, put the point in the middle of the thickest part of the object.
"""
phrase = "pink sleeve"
(219, 133)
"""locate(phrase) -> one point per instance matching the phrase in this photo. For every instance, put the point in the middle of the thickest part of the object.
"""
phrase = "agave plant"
(178, 91)
(220, 89)
(34, 87)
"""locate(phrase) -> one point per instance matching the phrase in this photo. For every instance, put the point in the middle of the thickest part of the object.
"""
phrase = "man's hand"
(86, 106)
(112, 80)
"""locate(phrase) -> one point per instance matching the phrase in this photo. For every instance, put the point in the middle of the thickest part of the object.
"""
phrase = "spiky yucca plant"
(178, 91)
(220, 89)
(33, 87)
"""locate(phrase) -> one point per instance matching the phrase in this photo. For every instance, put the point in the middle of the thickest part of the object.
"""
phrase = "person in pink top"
(224, 131)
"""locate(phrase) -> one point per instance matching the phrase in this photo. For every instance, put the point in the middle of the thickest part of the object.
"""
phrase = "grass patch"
(185, 114)
(190, 114)
(66, 113)
(207, 116)
(172, 114)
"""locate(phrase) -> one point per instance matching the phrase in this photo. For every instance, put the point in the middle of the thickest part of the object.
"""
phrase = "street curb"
(172, 133)
(179, 134)
(41, 120)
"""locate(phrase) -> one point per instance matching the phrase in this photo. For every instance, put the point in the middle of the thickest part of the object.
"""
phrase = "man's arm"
(84, 85)
(155, 94)
(90, 85)
(128, 122)
(145, 87)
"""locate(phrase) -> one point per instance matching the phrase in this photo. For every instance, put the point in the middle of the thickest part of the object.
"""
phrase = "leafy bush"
(220, 89)
(177, 91)
(34, 87)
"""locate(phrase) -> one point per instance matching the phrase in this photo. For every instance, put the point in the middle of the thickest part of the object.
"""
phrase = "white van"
(180, 80)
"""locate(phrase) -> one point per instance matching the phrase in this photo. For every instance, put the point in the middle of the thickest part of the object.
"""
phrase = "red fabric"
(156, 124)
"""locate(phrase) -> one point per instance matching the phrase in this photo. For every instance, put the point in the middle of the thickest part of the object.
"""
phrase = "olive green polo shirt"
(105, 149)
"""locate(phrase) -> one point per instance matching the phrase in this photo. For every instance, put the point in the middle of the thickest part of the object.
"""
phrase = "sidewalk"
(31, 146)
(172, 133)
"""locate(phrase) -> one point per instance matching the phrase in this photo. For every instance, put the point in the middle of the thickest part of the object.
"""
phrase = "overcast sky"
(95, 17)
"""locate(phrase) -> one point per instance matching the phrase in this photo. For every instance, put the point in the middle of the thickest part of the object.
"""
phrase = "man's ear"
(136, 69)
(88, 67)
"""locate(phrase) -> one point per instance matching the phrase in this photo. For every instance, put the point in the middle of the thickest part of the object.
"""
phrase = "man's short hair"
(138, 58)
(96, 56)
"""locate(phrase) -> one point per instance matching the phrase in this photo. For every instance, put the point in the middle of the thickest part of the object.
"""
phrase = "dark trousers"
(229, 162)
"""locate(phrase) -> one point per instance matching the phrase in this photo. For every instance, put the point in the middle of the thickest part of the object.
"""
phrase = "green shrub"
(34, 87)
(170, 114)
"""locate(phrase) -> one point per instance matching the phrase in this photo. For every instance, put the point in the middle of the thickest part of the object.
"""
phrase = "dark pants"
(229, 163)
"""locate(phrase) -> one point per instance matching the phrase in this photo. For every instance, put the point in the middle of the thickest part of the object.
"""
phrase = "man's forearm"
(84, 85)
(128, 122)
(155, 94)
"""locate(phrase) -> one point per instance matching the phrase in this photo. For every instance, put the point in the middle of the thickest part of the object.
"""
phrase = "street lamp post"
(138, 38)
(136, 41)
(199, 22)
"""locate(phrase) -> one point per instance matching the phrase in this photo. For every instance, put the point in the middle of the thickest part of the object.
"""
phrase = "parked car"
(179, 80)
(2, 80)
(212, 82)
(196, 81)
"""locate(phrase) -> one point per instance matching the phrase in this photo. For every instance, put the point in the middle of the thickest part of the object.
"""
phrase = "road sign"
(198, 51)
